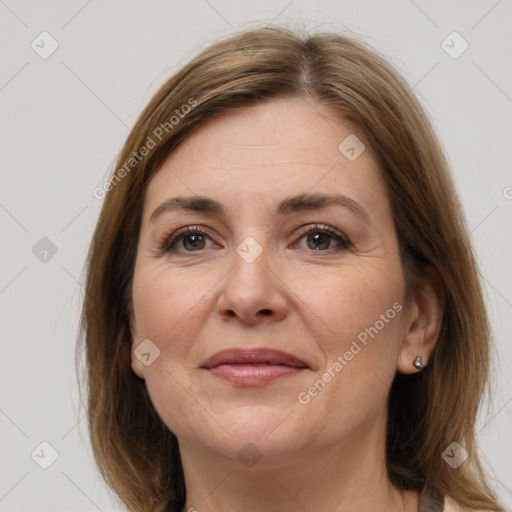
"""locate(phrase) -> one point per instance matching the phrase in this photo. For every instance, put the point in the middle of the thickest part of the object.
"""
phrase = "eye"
(191, 239)
(319, 238)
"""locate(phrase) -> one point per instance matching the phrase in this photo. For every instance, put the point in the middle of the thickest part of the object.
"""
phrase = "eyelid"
(342, 240)
(169, 238)
(322, 227)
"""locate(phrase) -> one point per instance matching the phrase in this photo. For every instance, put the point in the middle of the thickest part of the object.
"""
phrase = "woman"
(282, 309)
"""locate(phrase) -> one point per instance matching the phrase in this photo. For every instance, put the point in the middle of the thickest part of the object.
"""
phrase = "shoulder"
(432, 500)
(452, 506)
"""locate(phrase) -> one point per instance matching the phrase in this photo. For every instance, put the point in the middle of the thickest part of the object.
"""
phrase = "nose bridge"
(250, 265)
(251, 290)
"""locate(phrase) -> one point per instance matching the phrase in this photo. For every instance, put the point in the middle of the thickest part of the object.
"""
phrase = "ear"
(137, 365)
(424, 315)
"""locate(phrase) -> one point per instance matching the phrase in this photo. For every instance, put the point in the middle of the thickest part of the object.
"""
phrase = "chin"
(250, 429)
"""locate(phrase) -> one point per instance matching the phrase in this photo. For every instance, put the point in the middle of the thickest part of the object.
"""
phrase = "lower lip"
(253, 374)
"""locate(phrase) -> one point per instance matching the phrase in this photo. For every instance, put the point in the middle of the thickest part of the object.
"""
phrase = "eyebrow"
(298, 203)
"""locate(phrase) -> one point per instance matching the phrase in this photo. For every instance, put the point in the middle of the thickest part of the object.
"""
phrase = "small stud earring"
(418, 363)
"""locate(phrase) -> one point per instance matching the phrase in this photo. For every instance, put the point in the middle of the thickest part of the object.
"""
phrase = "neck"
(350, 476)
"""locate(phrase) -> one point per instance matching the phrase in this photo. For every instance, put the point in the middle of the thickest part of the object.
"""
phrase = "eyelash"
(168, 241)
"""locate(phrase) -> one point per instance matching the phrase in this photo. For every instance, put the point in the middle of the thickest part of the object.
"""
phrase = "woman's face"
(266, 267)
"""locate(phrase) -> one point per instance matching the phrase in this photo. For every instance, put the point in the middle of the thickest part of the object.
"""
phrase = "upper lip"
(253, 356)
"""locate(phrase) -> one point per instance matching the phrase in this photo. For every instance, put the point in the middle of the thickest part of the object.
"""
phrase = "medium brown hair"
(135, 451)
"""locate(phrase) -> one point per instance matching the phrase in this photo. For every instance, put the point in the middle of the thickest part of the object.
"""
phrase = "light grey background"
(65, 117)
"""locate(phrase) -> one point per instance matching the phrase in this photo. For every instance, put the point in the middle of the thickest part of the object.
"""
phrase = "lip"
(253, 367)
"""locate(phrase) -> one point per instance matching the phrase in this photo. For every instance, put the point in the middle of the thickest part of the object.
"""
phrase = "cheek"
(165, 303)
(352, 301)
(360, 332)
(359, 318)
(165, 300)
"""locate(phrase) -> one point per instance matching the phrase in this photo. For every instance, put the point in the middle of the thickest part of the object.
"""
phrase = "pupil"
(320, 237)
(196, 240)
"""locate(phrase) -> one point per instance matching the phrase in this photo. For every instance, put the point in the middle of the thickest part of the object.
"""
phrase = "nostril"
(266, 312)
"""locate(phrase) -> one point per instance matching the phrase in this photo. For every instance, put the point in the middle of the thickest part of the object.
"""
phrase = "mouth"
(253, 367)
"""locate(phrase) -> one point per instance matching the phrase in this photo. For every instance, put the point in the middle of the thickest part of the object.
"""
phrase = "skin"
(328, 454)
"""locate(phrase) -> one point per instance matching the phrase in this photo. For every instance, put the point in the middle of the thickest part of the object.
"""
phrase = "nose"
(252, 293)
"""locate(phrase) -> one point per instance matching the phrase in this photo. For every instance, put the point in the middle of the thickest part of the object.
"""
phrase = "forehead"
(268, 151)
